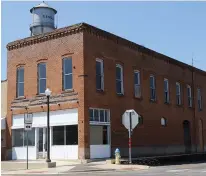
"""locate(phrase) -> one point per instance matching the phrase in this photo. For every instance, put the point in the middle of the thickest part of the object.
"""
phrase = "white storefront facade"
(63, 135)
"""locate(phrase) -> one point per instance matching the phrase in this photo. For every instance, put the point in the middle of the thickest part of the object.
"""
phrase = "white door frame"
(43, 152)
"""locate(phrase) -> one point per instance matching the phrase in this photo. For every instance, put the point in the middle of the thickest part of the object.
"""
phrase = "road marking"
(178, 170)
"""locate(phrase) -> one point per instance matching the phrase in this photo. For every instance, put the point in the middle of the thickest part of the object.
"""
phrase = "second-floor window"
(119, 79)
(99, 75)
(152, 88)
(178, 93)
(41, 78)
(199, 99)
(166, 90)
(20, 82)
(137, 89)
(67, 74)
(189, 95)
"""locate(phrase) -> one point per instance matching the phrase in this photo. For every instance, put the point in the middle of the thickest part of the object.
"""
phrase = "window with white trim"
(199, 99)
(67, 74)
(99, 115)
(189, 95)
(152, 88)
(137, 89)
(166, 90)
(20, 82)
(41, 78)
(119, 79)
(99, 74)
(178, 93)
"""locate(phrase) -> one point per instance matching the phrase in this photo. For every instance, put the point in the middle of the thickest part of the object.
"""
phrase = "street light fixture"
(48, 93)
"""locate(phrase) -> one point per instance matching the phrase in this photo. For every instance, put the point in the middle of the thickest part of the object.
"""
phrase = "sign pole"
(27, 163)
(130, 140)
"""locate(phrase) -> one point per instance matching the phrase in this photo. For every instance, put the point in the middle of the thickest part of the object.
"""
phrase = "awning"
(3, 123)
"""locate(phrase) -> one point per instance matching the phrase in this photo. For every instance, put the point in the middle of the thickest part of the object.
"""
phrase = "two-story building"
(94, 77)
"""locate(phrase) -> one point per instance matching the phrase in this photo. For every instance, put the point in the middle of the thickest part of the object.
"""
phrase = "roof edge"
(80, 27)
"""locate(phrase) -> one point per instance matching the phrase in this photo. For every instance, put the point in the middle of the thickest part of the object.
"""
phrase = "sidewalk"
(64, 167)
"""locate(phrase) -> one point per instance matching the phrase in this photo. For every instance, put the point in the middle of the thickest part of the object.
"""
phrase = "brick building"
(94, 77)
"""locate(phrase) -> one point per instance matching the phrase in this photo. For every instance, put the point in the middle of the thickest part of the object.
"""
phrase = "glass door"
(42, 143)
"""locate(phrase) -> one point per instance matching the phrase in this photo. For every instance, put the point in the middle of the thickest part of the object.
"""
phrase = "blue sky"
(176, 29)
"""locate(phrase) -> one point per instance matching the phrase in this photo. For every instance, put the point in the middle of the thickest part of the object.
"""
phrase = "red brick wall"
(151, 133)
(52, 52)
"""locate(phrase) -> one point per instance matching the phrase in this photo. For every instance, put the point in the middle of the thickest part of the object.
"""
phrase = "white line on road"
(178, 170)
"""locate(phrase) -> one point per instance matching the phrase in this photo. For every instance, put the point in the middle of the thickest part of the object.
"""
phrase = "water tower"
(43, 18)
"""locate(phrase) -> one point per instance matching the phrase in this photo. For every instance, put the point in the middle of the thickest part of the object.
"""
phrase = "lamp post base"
(48, 160)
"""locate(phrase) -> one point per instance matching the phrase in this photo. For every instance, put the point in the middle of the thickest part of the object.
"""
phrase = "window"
(189, 95)
(41, 78)
(58, 135)
(67, 74)
(65, 135)
(99, 75)
(98, 115)
(119, 79)
(72, 135)
(163, 121)
(178, 93)
(166, 91)
(199, 99)
(137, 90)
(19, 137)
(152, 88)
(20, 82)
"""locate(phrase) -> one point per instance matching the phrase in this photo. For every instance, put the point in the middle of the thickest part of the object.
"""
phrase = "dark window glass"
(31, 137)
(91, 115)
(42, 77)
(67, 73)
(98, 68)
(72, 135)
(105, 135)
(18, 137)
(151, 82)
(136, 78)
(101, 115)
(106, 116)
(20, 82)
(98, 82)
(58, 135)
(140, 120)
(118, 86)
(118, 73)
(96, 115)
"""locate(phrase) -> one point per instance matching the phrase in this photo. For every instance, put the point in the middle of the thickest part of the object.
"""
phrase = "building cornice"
(83, 27)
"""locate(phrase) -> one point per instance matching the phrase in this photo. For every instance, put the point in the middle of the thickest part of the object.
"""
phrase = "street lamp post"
(48, 93)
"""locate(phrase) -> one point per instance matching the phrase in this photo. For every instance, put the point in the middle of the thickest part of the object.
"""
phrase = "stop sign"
(126, 119)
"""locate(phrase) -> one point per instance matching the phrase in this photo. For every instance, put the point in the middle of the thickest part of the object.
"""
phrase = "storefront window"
(72, 135)
(58, 135)
(18, 137)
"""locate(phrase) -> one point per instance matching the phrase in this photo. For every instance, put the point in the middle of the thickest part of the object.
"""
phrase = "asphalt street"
(180, 170)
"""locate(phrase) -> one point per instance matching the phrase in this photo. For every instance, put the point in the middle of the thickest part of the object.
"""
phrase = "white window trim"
(153, 87)
(138, 84)
(167, 90)
(102, 72)
(122, 83)
(66, 74)
(178, 94)
(41, 78)
(99, 122)
(19, 82)
(189, 96)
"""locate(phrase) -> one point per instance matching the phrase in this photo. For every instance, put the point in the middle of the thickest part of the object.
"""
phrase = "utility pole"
(193, 103)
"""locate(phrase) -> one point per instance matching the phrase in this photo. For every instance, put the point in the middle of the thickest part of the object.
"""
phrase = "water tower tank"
(43, 18)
